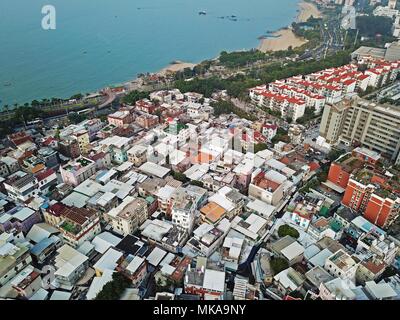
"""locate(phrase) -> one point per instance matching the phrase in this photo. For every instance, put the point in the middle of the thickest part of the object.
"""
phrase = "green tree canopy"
(286, 230)
(278, 264)
(114, 289)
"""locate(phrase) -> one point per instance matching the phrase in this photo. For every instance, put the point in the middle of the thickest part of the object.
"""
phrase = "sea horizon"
(73, 60)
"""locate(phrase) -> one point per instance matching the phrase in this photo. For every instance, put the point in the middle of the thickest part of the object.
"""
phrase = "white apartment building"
(21, 186)
(184, 211)
(128, 216)
(341, 265)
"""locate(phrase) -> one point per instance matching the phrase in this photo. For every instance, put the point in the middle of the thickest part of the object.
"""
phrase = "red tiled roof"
(57, 209)
(313, 166)
(285, 160)
(44, 174)
(48, 141)
(97, 156)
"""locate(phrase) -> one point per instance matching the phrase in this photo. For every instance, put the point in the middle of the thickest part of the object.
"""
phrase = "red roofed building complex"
(120, 118)
(76, 225)
(289, 107)
(146, 106)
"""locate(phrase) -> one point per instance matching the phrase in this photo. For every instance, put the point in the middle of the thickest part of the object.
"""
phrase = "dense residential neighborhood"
(291, 192)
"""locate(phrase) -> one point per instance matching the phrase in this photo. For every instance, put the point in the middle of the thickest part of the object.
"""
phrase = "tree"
(278, 264)
(335, 154)
(77, 96)
(35, 103)
(57, 134)
(371, 25)
(179, 176)
(6, 108)
(158, 113)
(76, 118)
(227, 107)
(286, 230)
(132, 97)
(197, 183)
(260, 147)
(115, 288)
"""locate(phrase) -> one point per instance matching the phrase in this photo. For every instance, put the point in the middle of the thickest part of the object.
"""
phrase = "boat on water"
(7, 84)
(202, 13)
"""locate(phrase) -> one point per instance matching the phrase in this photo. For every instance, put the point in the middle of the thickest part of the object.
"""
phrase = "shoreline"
(285, 37)
(175, 67)
(280, 40)
(307, 9)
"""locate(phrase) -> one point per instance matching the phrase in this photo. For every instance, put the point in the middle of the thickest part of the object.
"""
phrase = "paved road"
(111, 97)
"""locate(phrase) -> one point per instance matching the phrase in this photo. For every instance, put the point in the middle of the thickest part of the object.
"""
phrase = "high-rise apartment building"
(361, 122)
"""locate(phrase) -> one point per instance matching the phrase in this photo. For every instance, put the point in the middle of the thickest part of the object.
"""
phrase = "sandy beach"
(283, 40)
(307, 10)
(177, 66)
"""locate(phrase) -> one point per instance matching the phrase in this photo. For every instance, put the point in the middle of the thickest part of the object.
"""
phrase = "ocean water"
(121, 38)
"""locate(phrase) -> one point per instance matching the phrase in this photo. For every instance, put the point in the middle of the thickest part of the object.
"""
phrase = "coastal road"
(111, 97)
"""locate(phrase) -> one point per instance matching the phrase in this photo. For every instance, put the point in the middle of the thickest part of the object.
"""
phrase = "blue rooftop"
(42, 245)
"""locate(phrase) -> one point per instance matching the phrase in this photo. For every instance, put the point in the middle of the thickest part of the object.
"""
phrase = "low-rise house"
(8, 165)
(108, 262)
(134, 268)
(267, 186)
(13, 259)
(253, 226)
(70, 265)
(118, 148)
(370, 270)
(27, 282)
(184, 211)
(21, 219)
(77, 171)
(289, 280)
(341, 289)
(289, 249)
(164, 234)
(207, 283)
(207, 239)
(137, 155)
(342, 265)
(229, 199)
(76, 225)
(120, 118)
